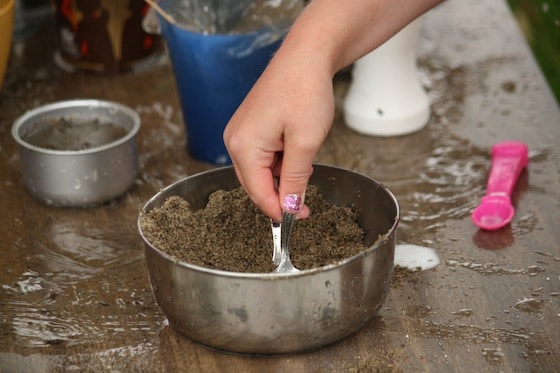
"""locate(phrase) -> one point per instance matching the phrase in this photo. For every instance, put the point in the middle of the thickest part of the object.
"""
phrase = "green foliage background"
(540, 22)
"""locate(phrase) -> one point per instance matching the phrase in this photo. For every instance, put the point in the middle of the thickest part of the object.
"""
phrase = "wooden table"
(74, 291)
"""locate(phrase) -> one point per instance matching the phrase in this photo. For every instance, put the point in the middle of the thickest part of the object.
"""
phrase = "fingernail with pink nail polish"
(292, 203)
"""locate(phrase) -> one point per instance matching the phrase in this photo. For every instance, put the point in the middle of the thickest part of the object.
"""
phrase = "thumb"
(294, 177)
(301, 145)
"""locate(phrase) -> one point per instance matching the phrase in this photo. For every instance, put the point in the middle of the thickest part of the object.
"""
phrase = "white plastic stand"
(385, 97)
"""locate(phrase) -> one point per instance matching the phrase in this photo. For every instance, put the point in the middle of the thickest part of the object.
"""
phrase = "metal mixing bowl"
(272, 313)
(78, 177)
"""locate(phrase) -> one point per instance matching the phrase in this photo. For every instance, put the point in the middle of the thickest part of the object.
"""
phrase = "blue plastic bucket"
(214, 73)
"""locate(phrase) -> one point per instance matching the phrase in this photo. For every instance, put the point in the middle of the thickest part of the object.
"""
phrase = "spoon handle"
(286, 265)
(509, 158)
(287, 224)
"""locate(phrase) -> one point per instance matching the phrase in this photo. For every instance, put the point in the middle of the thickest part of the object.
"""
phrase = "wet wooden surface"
(74, 291)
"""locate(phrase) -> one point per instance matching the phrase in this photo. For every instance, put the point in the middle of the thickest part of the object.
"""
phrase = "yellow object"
(6, 30)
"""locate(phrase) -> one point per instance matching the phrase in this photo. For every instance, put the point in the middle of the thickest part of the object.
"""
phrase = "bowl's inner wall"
(338, 186)
(76, 115)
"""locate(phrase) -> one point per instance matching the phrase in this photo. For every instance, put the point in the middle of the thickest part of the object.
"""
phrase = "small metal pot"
(71, 178)
(270, 313)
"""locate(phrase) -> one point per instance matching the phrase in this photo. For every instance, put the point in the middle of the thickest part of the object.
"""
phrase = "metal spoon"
(286, 265)
(276, 234)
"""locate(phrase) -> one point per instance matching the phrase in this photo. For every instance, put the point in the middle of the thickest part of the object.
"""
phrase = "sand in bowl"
(231, 234)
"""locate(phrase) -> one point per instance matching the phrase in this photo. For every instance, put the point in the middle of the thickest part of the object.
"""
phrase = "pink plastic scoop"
(495, 211)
